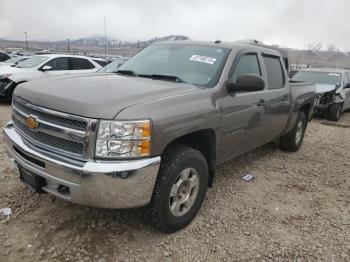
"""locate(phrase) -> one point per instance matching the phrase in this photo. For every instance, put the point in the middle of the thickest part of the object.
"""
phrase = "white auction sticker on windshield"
(203, 59)
(333, 74)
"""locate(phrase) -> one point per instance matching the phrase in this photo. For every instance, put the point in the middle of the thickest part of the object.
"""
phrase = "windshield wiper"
(126, 72)
(165, 77)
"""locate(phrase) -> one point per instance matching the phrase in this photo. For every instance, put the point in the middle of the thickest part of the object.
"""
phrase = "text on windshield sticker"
(203, 59)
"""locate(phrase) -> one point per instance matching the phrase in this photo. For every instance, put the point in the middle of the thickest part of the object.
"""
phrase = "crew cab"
(153, 132)
(332, 90)
(42, 66)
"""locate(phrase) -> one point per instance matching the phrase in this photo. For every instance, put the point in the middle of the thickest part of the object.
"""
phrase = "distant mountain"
(91, 42)
(96, 41)
(166, 38)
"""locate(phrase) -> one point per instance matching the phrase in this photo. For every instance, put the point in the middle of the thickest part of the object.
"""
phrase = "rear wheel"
(334, 112)
(180, 188)
(294, 138)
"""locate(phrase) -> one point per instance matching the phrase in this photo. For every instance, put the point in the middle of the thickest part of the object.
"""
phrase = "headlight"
(123, 139)
(329, 97)
(5, 76)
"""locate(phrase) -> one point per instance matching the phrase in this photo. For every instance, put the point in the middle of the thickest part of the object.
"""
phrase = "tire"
(293, 139)
(334, 112)
(176, 163)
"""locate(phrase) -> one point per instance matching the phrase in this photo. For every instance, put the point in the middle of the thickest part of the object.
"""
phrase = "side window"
(58, 64)
(247, 64)
(275, 74)
(80, 64)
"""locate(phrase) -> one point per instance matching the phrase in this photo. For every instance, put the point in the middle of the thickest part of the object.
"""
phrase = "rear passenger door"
(277, 96)
(80, 66)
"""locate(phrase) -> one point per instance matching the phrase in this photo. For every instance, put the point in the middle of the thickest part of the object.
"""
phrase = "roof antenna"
(105, 39)
(217, 41)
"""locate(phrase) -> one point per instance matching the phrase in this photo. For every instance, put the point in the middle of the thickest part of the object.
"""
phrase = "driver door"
(244, 119)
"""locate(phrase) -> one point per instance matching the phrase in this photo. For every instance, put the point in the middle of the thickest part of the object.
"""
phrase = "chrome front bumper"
(122, 184)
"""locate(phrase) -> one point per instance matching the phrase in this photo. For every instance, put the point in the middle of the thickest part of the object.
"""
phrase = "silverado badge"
(32, 123)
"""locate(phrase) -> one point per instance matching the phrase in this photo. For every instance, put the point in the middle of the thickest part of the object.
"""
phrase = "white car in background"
(42, 66)
(14, 61)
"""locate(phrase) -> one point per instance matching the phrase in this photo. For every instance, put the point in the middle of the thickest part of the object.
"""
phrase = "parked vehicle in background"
(14, 61)
(113, 66)
(154, 132)
(295, 68)
(41, 66)
(102, 62)
(4, 56)
(42, 52)
(332, 90)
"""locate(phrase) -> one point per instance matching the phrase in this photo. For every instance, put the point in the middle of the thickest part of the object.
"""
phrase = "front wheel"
(294, 138)
(180, 188)
(334, 112)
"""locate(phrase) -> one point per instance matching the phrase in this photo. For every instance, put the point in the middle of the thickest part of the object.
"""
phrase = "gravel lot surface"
(298, 209)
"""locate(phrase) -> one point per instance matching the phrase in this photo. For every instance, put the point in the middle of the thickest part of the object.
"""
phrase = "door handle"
(261, 102)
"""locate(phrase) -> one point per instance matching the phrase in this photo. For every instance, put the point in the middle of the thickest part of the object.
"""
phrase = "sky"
(289, 23)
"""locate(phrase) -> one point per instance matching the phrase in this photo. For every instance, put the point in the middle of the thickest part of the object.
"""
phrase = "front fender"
(176, 116)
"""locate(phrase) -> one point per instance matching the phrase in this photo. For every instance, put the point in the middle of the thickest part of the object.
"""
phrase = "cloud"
(287, 22)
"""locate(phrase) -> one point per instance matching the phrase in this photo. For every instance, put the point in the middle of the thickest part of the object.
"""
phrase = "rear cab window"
(274, 70)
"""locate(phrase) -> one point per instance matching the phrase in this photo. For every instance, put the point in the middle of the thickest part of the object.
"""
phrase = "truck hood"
(100, 96)
(321, 88)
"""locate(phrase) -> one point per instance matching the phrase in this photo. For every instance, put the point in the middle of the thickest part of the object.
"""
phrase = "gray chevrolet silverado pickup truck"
(153, 132)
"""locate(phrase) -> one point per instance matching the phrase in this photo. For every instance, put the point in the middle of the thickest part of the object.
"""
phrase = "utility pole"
(68, 45)
(26, 40)
(105, 38)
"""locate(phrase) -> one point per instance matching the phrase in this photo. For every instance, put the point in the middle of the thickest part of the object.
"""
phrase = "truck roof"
(333, 70)
(230, 45)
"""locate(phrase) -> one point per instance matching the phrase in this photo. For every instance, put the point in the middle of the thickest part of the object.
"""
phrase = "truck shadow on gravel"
(117, 219)
(335, 124)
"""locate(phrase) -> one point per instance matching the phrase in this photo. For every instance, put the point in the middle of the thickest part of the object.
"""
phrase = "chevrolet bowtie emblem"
(32, 123)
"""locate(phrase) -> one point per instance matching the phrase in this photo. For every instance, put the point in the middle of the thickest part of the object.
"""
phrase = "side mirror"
(46, 68)
(248, 83)
(347, 85)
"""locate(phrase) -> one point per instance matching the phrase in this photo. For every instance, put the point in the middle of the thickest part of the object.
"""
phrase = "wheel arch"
(204, 141)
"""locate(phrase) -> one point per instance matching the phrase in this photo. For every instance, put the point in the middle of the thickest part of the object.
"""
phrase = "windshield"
(32, 62)
(326, 78)
(112, 67)
(198, 65)
(14, 59)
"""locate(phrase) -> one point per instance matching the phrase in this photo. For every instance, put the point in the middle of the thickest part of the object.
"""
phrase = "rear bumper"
(122, 184)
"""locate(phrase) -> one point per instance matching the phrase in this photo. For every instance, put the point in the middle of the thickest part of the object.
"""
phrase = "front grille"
(57, 132)
(49, 140)
(58, 120)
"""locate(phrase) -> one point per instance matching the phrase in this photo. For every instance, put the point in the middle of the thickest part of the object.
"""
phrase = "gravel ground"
(298, 209)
